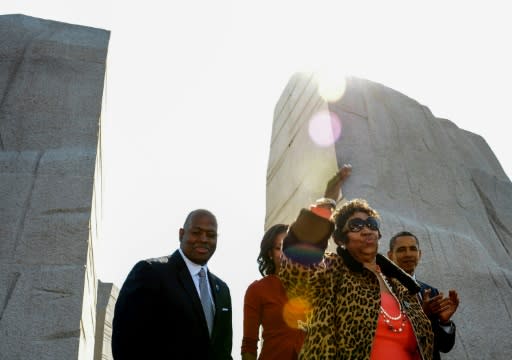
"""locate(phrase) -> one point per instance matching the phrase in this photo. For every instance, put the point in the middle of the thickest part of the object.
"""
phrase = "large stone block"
(39, 310)
(423, 174)
(51, 84)
(51, 81)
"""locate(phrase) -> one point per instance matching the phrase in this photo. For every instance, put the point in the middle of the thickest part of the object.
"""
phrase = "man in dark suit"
(159, 312)
(404, 250)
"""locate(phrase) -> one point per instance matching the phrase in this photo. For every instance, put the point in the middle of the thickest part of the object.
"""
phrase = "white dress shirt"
(194, 269)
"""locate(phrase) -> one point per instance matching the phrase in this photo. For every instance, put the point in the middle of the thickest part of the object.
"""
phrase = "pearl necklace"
(386, 317)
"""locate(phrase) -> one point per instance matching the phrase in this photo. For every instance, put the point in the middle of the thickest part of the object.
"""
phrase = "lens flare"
(324, 128)
(295, 311)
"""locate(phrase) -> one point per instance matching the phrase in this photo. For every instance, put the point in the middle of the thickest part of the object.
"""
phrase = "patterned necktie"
(205, 300)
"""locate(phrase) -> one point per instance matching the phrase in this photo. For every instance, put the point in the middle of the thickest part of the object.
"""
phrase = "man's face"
(198, 240)
(405, 253)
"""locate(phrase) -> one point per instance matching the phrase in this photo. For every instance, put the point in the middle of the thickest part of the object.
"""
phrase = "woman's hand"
(333, 188)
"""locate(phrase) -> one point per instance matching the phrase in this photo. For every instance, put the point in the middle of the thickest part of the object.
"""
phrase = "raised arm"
(333, 187)
(309, 234)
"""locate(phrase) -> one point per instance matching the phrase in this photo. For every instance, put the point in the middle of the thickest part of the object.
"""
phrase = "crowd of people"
(353, 303)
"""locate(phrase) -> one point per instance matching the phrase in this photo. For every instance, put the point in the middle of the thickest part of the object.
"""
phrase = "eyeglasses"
(357, 224)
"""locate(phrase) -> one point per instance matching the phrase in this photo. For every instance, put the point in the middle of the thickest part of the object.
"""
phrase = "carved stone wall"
(107, 297)
(423, 174)
(51, 86)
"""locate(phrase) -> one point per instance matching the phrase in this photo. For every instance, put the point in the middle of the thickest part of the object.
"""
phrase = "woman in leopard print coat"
(346, 290)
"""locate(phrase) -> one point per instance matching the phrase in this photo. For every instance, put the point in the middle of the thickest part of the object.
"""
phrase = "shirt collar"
(193, 268)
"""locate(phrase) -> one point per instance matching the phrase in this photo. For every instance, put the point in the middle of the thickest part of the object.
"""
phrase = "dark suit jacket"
(443, 341)
(158, 314)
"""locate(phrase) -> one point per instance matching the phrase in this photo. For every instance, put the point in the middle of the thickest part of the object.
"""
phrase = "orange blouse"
(393, 345)
(266, 304)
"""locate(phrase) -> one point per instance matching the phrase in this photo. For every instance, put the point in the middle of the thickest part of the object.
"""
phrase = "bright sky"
(191, 88)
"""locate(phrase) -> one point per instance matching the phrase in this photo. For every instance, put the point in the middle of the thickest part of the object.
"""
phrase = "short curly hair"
(341, 216)
(265, 263)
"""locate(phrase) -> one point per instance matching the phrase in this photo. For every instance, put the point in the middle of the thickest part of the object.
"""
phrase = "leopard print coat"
(344, 299)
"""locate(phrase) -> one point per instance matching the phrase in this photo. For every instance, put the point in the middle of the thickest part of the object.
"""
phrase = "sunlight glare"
(295, 311)
(331, 84)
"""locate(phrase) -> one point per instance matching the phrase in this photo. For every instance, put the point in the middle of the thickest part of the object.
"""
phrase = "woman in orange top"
(266, 304)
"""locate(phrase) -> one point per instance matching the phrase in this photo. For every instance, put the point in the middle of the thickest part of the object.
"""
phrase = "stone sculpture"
(51, 87)
(423, 174)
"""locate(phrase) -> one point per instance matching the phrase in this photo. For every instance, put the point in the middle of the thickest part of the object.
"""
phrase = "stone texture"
(423, 174)
(106, 300)
(51, 86)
